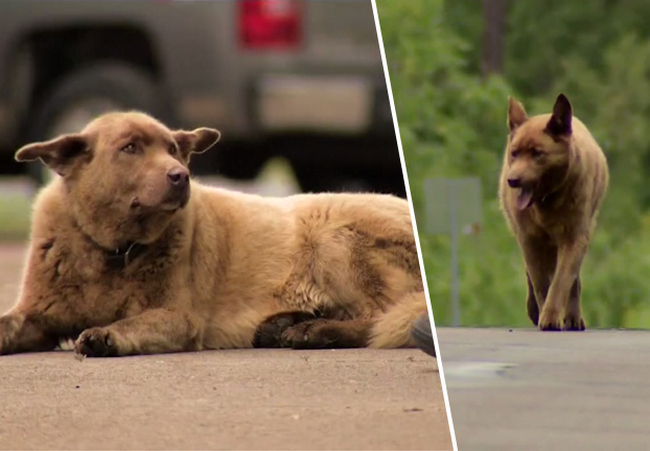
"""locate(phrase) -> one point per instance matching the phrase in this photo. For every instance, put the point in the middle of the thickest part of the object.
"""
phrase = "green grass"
(15, 211)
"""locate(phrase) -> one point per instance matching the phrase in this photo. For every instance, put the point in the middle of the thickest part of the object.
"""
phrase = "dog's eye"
(172, 149)
(536, 153)
(129, 148)
(514, 153)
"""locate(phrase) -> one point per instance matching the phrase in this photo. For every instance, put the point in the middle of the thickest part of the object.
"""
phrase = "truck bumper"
(315, 103)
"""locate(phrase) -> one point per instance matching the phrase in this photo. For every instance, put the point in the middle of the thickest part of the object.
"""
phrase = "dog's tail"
(392, 329)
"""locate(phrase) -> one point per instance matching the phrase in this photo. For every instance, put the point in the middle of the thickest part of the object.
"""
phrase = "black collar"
(547, 199)
(122, 256)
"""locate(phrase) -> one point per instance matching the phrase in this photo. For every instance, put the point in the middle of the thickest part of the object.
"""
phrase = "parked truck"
(298, 79)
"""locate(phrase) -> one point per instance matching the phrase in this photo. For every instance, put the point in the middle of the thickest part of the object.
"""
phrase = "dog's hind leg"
(328, 333)
(269, 333)
(389, 329)
(151, 332)
(333, 328)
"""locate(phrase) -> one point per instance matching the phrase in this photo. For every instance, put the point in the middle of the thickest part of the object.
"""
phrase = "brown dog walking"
(553, 181)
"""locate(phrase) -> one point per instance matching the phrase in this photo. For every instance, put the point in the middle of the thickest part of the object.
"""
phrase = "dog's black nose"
(178, 177)
(514, 183)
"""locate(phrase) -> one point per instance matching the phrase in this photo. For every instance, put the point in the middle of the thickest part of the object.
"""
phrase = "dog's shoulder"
(50, 266)
(51, 215)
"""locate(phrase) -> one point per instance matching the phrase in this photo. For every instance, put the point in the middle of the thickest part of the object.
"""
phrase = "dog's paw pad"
(96, 342)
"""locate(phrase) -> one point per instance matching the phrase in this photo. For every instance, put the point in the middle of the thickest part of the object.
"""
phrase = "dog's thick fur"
(553, 181)
(130, 257)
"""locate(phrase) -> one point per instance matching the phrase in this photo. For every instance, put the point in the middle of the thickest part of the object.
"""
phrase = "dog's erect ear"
(516, 114)
(560, 122)
(196, 141)
(58, 154)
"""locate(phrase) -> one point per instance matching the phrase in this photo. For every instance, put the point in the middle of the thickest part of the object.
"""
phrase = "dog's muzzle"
(178, 179)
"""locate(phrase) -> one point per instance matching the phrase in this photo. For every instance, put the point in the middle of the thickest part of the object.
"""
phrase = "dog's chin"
(173, 205)
(169, 204)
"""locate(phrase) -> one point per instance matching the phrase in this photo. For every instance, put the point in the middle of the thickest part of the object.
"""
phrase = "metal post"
(453, 218)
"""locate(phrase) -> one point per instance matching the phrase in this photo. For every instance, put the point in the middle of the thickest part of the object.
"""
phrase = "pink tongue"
(524, 198)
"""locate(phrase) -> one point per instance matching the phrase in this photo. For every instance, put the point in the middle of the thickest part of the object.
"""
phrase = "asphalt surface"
(527, 390)
(241, 399)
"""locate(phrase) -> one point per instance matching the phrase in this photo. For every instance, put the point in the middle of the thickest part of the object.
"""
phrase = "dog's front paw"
(573, 323)
(550, 320)
(9, 327)
(96, 342)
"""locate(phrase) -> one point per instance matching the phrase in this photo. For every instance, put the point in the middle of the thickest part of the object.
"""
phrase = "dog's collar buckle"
(127, 254)
(121, 257)
(546, 198)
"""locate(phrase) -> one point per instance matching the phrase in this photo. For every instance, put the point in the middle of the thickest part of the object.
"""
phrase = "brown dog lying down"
(553, 182)
(129, 256)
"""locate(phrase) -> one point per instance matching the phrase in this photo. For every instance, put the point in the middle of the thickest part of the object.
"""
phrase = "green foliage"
(452, 123)
(438, 97)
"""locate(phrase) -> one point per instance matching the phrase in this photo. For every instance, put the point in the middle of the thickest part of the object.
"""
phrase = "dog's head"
(125, 173)
(539, 151)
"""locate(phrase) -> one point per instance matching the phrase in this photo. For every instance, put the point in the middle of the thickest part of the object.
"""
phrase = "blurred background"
(452, 66)
(296, 88)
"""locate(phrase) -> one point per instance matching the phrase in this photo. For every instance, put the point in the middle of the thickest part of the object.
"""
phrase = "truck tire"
(86, 93)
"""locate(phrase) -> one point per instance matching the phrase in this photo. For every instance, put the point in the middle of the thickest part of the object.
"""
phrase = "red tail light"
(269, 24)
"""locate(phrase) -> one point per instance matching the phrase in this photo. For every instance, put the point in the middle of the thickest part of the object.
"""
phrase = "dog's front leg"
(24, 332)
(566, 274)
(151, 332)
(541, 260)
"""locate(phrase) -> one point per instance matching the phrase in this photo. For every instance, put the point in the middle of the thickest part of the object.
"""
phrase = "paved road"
(243, 399)
(527, 390)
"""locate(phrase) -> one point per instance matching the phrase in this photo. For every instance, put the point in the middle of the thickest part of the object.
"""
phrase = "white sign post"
(453, 206)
